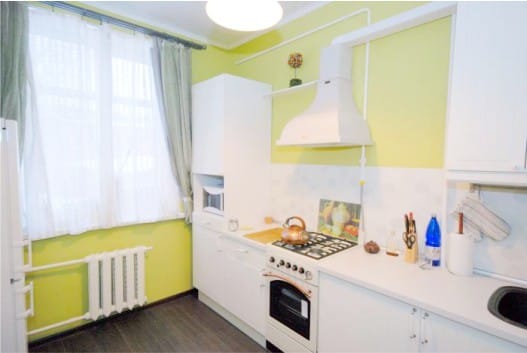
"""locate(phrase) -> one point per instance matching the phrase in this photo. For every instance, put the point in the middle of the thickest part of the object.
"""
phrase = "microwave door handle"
(306, 292)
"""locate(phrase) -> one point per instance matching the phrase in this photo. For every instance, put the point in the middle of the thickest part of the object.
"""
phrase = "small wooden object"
(371, 247)
(411, 254)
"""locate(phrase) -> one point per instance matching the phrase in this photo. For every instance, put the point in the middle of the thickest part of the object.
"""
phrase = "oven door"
(292, 307)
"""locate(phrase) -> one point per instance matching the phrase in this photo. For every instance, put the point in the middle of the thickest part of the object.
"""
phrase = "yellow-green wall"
(406, 114)
(61, 293)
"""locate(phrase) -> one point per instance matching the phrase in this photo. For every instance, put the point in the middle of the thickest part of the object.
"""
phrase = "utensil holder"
(411, 255)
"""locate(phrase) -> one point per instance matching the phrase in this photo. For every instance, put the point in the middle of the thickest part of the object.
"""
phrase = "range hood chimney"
(332, 119)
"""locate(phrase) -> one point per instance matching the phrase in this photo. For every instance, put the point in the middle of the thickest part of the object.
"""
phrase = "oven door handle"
(306, 292)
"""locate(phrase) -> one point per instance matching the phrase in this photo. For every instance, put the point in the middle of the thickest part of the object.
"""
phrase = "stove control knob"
(301, 270)
(271, 259)
(288, 265)
(294, 268)
(309, 275)
(281, 263)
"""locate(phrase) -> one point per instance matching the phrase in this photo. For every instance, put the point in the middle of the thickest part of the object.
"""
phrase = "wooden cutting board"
(266, 236)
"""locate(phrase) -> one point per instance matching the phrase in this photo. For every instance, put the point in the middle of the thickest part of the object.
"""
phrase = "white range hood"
(332, 119)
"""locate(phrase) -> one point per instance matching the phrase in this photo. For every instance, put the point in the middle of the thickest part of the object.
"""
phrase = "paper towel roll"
(460, 254)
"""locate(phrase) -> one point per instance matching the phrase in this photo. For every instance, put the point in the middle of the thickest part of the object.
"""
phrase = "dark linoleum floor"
(180, 325)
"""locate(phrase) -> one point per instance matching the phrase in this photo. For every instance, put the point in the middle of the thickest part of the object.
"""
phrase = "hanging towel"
(481, 219)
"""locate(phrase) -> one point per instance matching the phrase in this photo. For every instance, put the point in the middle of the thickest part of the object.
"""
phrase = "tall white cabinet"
(487, 122)
(231, 124)
(231, 139)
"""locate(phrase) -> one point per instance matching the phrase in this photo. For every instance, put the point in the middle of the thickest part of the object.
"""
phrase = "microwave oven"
(213, 201)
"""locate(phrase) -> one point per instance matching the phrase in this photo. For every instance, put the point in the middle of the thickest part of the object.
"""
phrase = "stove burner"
(318, 246)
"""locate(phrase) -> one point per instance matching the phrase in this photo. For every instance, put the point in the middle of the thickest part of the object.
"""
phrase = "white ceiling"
(188, 18)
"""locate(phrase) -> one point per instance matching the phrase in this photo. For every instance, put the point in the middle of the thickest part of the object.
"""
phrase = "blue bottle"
(433, 243)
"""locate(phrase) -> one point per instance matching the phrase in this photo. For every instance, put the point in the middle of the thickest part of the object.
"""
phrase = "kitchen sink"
(509, 304)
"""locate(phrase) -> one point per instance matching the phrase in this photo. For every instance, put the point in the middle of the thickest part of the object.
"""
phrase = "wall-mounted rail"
(408, 19)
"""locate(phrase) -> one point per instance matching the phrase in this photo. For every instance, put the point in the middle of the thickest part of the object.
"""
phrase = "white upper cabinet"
(487, 124)
(232, 138)
(208, 135)
(231, 122)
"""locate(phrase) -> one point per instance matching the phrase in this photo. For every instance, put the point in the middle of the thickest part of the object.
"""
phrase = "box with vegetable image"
(339, 219)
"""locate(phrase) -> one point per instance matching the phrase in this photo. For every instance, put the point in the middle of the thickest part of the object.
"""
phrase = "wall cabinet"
(355, 319)
(487, 122)
(230, 272)
(208, 135)
(231, 137)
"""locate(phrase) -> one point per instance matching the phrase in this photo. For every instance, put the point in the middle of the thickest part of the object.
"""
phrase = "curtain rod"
(114, 21)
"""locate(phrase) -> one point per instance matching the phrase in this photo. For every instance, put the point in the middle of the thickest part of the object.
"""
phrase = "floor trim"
(193, 292)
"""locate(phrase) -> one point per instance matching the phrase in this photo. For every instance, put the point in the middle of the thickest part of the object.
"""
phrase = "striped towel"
(479, 219)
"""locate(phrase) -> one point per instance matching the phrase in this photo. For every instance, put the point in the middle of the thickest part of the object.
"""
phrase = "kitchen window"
(95, 153)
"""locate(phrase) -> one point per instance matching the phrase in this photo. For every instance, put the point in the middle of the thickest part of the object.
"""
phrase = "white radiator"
(116, 281)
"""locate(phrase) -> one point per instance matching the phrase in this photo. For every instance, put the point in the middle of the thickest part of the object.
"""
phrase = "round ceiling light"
(244, 15)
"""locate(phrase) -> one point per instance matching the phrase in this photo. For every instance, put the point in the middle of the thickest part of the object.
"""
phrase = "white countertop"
(459, 298)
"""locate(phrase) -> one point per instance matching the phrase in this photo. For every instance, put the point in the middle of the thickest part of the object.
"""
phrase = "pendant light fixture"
(244, 15)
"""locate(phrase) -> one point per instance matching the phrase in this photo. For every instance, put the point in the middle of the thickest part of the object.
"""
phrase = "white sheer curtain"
(98, 156)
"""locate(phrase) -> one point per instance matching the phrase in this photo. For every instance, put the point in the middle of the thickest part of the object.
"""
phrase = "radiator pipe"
(58, 324)
(65, 263)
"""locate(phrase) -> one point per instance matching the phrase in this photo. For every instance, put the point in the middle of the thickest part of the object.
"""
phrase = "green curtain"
(14, 62)
(172, 72)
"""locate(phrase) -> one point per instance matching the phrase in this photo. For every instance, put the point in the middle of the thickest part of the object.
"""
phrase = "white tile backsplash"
(389, 193)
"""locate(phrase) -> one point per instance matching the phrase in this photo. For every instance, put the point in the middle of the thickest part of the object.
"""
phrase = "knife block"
(411, 255)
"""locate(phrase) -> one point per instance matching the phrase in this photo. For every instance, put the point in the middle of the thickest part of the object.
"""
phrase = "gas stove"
(300, 261)
(293, 279)
(318, 246)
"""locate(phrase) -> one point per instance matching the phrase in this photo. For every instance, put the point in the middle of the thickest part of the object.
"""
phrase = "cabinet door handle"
(412, 324)
(424, 328)
(306, 292)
